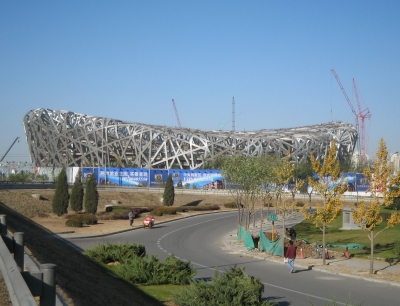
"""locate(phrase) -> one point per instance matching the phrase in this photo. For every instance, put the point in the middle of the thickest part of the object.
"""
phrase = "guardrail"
(24, 285)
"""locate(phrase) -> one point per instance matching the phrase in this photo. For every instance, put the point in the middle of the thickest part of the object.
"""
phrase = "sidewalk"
(353, 267)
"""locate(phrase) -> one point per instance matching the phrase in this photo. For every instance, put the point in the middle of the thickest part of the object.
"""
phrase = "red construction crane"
(362, 114)
(176, 113)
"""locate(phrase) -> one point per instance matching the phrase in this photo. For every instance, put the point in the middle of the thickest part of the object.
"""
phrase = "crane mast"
(176, 113)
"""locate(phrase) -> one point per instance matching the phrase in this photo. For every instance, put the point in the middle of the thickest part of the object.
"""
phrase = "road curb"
(301, 265)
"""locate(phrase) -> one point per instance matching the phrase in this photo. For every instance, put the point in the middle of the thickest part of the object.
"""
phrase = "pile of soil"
(301, 245)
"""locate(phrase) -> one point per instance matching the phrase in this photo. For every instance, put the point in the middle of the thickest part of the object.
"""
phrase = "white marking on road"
(214, 269)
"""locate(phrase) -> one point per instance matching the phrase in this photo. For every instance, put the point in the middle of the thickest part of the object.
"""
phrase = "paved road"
(203, 241)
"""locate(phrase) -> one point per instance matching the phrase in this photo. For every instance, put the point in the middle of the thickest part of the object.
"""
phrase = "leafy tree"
(330, 187)
(61, 196)
(169, 192)
(383, 191)
(284, 174)
(215, 163)
(77, 194)
(241, 173)
(266, 175)
(91, 196)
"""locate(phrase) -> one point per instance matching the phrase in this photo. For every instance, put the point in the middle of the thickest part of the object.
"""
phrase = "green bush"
(223, 290)
(230, 205)
(61, 195)
(169, 192)
(74, 221)
(164, 210)
(203, 208)
(299, 204)
(152, 271)
(91, 196)
(181, 209)
(77, 194)
(82, 219)
(112, 252)
(88, 219)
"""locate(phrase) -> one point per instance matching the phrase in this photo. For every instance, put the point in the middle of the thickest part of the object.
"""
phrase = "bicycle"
(316, 252)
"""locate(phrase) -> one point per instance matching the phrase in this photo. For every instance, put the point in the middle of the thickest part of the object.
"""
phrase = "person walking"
(291, 256)
(131, 215)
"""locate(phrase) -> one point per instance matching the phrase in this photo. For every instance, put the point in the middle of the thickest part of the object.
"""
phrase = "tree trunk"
(323, 244)
(283, 237)
(371, 260)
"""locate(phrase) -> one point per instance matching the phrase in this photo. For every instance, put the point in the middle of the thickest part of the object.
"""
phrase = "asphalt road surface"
(200, 240)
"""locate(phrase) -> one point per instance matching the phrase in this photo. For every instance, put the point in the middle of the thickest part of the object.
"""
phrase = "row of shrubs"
(86, 219)
(233, 287)
(138, 268)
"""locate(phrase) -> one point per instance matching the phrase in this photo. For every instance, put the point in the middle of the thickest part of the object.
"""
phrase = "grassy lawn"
(163, 293)
(384, 242)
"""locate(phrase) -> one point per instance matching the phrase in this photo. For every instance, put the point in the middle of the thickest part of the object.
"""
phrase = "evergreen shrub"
(112, 252)
(164, 211)
(74, 221)
(91, 196)
(152, 271)
(169, 192)
(234, 288)
(61, 195)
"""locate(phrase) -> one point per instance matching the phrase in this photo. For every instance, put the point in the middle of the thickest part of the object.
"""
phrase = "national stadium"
(58, 138)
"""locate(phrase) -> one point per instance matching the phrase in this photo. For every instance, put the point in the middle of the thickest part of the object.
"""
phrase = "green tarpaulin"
(241, 234)
(350, 246)
(271, 247)
(249, 242)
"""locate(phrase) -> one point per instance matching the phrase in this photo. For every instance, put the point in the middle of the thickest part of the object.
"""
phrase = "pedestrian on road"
(131, 215)
(291, 256)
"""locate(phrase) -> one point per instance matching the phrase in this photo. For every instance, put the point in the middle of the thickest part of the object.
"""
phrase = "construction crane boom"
(9, 149)
(362, 114)
(347, 98)
(176, 113)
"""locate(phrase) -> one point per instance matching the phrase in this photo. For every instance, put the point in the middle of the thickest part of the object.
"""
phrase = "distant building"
(59, 138)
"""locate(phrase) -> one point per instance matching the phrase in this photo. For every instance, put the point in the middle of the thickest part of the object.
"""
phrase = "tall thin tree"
(61, 196)
(331, 188)
(169, 192)
(368, 215)
(91, 196)
(77, 193)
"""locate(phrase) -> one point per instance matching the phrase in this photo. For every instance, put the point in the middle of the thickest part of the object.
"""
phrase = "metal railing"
(22, 285)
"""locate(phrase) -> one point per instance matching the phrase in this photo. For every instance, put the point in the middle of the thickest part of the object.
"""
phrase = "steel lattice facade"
(63, 138)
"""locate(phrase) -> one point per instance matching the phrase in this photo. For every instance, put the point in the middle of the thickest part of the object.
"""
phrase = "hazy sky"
(127, 59)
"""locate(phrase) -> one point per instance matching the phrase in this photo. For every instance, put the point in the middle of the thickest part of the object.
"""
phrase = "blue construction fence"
(193, 179)
(142, 177)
